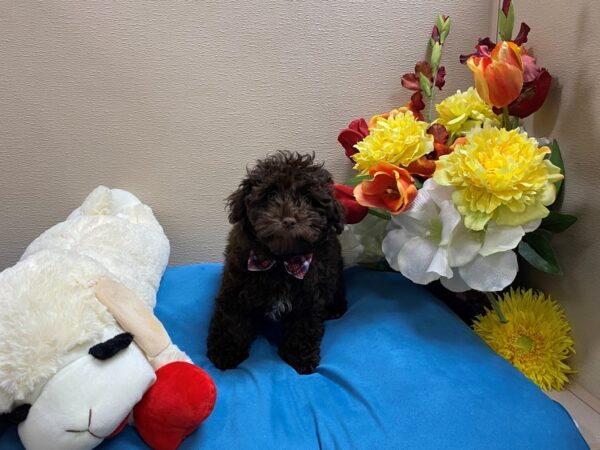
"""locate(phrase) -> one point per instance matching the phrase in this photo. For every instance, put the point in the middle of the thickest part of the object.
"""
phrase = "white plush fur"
(49, 315)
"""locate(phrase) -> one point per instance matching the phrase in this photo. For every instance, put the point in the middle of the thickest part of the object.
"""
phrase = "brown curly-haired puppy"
(284, 214)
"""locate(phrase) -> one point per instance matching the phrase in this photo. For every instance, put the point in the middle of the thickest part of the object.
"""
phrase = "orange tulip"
(392, 188)
(498, 77)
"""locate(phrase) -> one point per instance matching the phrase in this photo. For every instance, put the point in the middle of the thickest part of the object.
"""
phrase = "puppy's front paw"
(304, 364)
(226, 358)
(337, 310)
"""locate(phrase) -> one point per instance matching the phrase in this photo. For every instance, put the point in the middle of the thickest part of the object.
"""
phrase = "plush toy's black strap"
(17, 415)
(110, 348)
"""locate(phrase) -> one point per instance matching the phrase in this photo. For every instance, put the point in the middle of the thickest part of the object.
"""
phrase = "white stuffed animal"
(50, 318)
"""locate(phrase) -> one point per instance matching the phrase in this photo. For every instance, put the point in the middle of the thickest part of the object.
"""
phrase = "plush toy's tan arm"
(133, 316)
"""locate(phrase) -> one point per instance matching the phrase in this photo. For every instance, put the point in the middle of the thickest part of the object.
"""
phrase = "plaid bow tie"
(296, 266)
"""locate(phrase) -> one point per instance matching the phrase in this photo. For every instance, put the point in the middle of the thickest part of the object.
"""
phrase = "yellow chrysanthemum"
(399, 139)
(464, 111)
(536, 340)
(499, 175)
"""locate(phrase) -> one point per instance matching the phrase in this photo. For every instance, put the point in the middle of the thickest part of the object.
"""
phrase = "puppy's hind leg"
(339, 305)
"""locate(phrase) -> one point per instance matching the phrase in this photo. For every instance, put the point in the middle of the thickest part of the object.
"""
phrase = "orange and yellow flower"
(498, 77)
(391, 188)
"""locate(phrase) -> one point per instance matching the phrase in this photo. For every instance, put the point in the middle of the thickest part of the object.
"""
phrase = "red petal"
(439, 133)
(410, 81)
(416, 105)
(357, 130)
(522, 36)
(424, 68)
(440, 79)
(532, 96)
(435, 34)
(354, 211)
(506, 7)
(360, 125)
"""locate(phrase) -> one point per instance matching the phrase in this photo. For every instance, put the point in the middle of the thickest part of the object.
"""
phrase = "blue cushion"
(399, 370)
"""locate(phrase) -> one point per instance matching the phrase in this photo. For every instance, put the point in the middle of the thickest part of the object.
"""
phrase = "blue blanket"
(398, 371)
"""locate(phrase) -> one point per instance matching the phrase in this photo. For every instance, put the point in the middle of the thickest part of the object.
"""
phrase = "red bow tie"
(297, 266)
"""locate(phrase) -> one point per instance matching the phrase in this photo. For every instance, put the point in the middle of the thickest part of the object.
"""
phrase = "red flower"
(356, 131)
(425, 166)
(354, 212)
(532, 96)
(391, 188)
(411, 80)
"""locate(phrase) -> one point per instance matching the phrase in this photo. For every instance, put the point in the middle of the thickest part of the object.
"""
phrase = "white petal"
(392, 244)
(450, 218)
(414, 225)
(491, 273)
(532, 226)
(439, 263)
(500, 238)
(455, 284)
(415, 258)
(464, 246)
(438, 193)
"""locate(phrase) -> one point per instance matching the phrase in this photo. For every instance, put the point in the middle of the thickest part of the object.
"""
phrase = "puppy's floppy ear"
(336, 214)
(236, 202)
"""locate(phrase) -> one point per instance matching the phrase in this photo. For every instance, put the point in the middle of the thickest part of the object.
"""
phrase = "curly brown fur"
(282, 186)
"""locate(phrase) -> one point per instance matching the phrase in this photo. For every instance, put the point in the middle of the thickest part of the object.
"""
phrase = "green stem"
(494, 302)
(506, 118)
(498, 20)
(379, 214)
(435, 72)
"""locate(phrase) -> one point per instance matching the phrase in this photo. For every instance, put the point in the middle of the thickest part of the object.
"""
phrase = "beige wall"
(565, 39)
(171, 100)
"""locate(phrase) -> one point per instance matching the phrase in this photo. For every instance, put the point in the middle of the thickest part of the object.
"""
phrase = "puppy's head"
(286, 202)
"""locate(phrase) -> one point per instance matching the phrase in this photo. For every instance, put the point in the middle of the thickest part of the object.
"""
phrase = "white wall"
(565, 39)
(173, 99)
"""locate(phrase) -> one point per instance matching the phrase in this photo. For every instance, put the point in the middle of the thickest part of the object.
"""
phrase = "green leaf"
(443, 28)
(537, 251)
(557, 222)
(425, 84)
(356, 180)
(418, 183)
(436, 56)
(556, 159)
(506, 23)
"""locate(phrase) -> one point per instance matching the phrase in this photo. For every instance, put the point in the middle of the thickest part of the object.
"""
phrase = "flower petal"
(500, 238)
(490, 273)
(455, 284)
(464, 246)
(450, 218)
(532, 96)
(392, 245)
(439, 263)
(531, 226)
(415, 258)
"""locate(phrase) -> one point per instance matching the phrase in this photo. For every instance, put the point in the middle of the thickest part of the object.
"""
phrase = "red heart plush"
(181, 398)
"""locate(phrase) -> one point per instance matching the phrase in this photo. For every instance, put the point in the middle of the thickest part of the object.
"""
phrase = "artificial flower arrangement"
(462, 194)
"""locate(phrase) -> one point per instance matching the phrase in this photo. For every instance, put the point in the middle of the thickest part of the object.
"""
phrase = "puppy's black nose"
(289, 222)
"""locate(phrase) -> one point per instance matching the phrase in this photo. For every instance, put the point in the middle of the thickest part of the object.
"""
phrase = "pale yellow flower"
(399, 139)
(499, 175)
(463, 111)
(536, 339)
